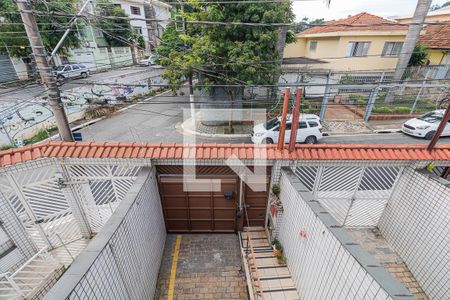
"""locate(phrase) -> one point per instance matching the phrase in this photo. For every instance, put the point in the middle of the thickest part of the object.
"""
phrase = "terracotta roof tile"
(356, 23)
(223, 151)
(436, 36)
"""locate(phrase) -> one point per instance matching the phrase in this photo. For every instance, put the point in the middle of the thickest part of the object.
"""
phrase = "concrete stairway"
(268, 279)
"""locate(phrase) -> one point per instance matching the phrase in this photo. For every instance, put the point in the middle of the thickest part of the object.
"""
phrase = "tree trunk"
(410, 42)
(231, 96)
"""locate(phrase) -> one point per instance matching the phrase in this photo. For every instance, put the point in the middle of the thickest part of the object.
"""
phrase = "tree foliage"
(306, 23)
(437, 6)
(420, 55)
(13, 39)
(223, 53)
(116, 27)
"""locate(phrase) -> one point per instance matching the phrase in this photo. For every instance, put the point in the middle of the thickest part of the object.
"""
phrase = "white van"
(309, 130)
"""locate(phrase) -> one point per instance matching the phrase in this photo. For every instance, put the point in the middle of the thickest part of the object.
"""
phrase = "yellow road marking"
(173, 271)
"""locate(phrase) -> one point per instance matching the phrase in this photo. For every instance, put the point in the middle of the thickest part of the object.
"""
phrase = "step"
(282, 294)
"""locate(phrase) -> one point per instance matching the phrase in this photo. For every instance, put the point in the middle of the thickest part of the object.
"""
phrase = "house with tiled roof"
(437, 37)
(360, 42)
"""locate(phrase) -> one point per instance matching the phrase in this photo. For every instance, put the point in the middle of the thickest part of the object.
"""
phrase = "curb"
(388, 131)
(193, 132)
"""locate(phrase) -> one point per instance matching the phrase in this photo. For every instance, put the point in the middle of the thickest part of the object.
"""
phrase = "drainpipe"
(287, 93)
(295, 120)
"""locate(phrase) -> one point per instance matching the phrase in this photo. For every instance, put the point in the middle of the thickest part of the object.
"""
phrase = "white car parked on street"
(148, 60)
(71, 71)
(309, 130)
(425, 126)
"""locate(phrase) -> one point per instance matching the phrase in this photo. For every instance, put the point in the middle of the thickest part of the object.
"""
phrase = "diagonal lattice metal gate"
(354, 195)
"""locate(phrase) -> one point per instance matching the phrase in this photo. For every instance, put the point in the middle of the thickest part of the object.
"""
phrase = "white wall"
(416, 223)
(327, 264)
(126, 6)
(122, 262)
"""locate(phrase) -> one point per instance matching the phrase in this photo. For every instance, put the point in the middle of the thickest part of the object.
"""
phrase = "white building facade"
(148, 18)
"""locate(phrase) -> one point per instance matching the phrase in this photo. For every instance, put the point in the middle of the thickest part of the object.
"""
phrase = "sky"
(342, 8)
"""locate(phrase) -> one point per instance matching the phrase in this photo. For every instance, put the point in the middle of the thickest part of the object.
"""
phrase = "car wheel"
(430, 135)
(311, 140)
(268, 141)
(84, 75)
(60, 77)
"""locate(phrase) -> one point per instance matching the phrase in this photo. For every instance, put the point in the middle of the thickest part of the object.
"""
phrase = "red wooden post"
(295, 119)
(439, 130)
(287, 93)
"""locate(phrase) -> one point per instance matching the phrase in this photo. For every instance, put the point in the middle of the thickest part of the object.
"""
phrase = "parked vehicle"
(309, 130)
(425, 126)
(71, 71)
(148, 60)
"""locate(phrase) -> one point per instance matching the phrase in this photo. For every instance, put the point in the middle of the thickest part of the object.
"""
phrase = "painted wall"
(333, 49)
(416, 223)
(126, 6)
(439, 57)
(324, 261)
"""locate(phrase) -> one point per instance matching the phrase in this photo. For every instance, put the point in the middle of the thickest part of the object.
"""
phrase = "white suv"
(70, 71)
(309, 130)
(426, 125)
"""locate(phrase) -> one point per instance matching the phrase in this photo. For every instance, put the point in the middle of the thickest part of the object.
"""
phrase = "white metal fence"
(122, 262)
(416, 223)
(354, 195)
(324, 261)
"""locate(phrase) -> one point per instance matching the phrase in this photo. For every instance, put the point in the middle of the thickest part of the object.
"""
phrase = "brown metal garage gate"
(209, 211)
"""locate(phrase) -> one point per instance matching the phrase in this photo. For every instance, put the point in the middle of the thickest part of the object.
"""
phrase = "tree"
(51, 23)
(306, 23)
(115, 24)
(419, 56)
(437, 6)
(226, 54)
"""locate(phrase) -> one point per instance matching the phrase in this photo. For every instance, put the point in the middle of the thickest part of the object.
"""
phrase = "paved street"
(121, 75)
(159, 120)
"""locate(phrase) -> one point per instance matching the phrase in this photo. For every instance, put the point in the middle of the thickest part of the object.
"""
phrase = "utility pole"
(191, 88)
(48, 79)
(411, 37)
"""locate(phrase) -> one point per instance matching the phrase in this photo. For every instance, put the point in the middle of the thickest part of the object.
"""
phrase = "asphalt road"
(116, 76)
(159, 120)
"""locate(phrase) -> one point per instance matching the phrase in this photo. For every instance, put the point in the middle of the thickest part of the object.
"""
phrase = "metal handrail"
(29, 261)
(13, 284)
(257, 289)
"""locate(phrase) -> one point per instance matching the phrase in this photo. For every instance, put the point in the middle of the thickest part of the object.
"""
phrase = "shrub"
(276, 189)
(6, 147)
(361, 102)
(382, 110)
(402, 109)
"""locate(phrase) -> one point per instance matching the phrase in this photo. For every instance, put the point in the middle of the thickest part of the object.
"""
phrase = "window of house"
(137, 30)
(392, 48)
(135, 10)
(357, 49)
(312, 46)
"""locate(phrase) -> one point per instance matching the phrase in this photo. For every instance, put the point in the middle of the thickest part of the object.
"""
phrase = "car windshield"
(271, 123)
(431, 117)
(59, 68)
